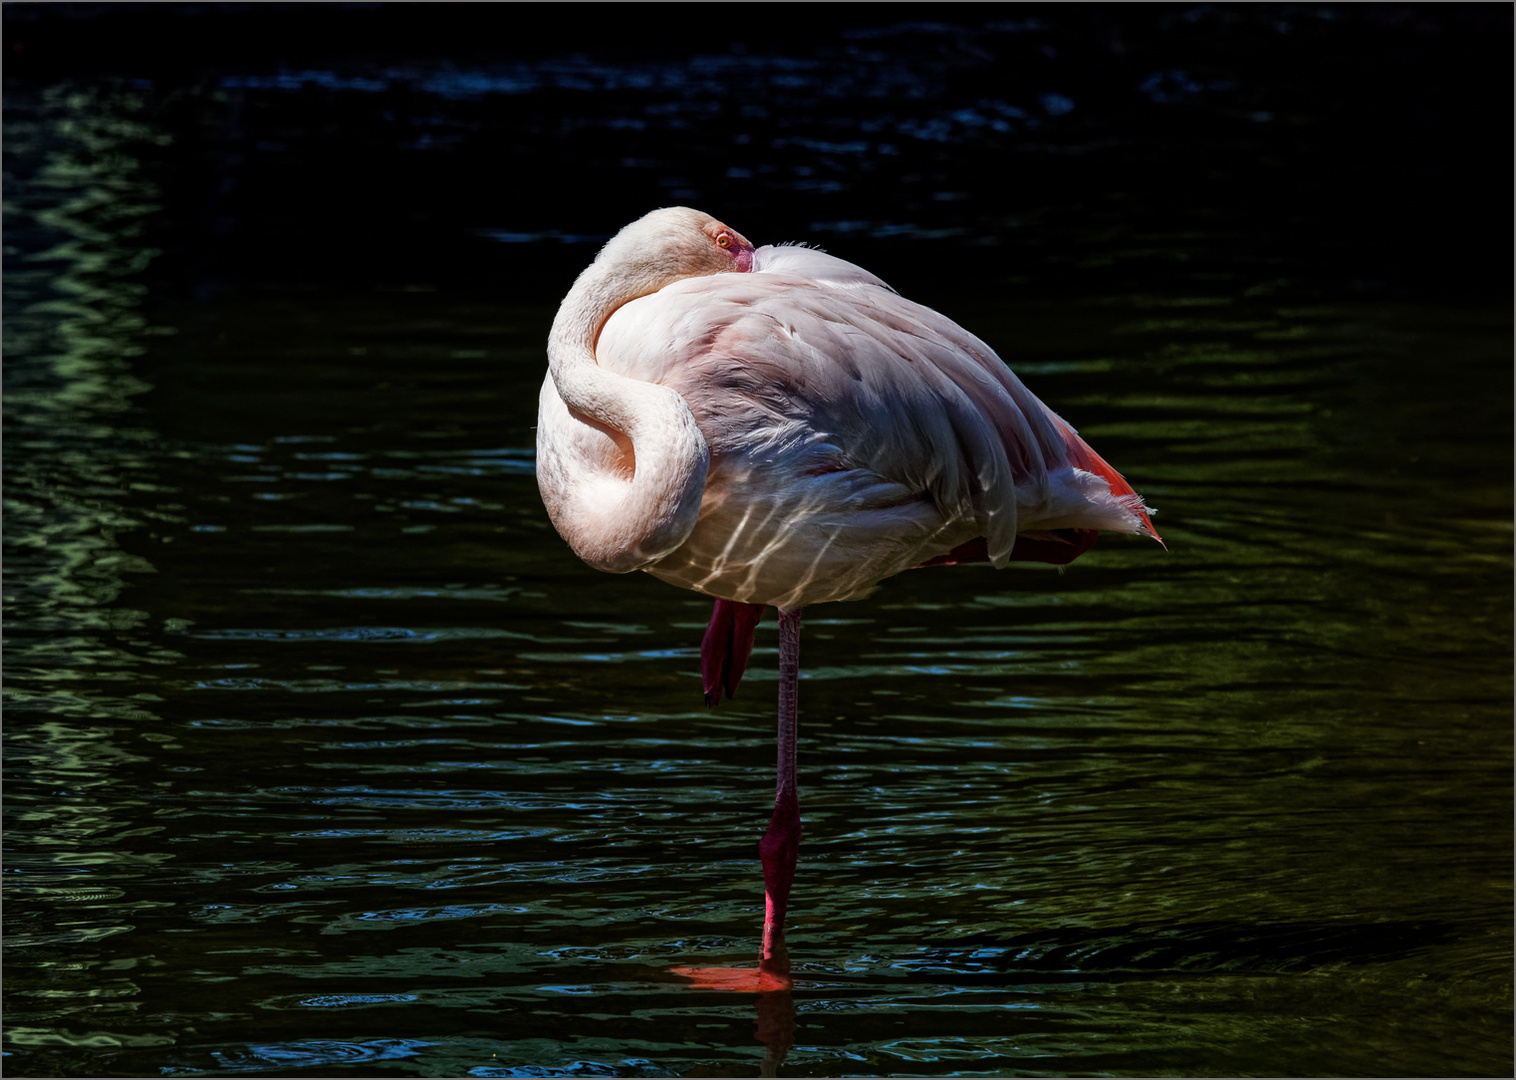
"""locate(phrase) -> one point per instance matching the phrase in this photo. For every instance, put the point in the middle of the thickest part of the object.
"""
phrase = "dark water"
(325, 757)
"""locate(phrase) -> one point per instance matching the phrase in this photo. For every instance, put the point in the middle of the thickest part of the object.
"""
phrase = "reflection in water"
(76, 198)
(776, 1029)
(72, 327)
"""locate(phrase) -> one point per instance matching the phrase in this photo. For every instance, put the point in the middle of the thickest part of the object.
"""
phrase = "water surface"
(326, 757)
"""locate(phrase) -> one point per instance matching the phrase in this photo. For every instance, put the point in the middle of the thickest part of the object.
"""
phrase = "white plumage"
(849, 434)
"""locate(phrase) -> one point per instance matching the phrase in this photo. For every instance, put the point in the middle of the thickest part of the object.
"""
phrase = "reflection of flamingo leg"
(776, 1029)
(780, 847)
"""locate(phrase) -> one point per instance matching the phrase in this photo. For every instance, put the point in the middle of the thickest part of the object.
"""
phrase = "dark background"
(1373, 138)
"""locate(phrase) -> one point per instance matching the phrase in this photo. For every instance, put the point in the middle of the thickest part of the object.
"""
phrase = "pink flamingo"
(775, 426)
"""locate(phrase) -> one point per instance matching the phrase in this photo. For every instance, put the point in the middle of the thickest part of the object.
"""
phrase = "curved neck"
(606, 397)
(593, 299)
(652, 513)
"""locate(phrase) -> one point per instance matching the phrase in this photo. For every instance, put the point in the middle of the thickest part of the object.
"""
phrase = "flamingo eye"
(724, 240)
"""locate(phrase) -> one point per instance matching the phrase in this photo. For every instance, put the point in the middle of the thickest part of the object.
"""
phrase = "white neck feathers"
(612, 522)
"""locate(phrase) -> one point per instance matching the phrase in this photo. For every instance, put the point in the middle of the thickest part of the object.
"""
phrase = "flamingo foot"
(780, 850)
(740, 980)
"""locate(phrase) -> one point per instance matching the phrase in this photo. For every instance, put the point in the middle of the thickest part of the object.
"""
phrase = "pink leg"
(725, 649)
(780, 847)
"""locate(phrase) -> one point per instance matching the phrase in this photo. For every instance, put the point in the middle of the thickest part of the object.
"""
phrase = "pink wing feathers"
(1081, 453)
(883, 409)
(870, 403)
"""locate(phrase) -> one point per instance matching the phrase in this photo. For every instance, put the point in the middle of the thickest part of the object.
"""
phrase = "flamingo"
(777, 427)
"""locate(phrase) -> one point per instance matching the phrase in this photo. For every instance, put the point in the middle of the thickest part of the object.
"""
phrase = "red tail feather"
(1089, 461)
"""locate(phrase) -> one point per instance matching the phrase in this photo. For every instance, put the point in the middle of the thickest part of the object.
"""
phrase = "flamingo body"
(851, 434)
(777, 426)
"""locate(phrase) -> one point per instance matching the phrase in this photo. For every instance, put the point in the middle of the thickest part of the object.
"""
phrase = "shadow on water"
(1165, 951)
(324, 756)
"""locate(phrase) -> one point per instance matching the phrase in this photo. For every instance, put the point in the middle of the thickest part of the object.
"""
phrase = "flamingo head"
(674, 243)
